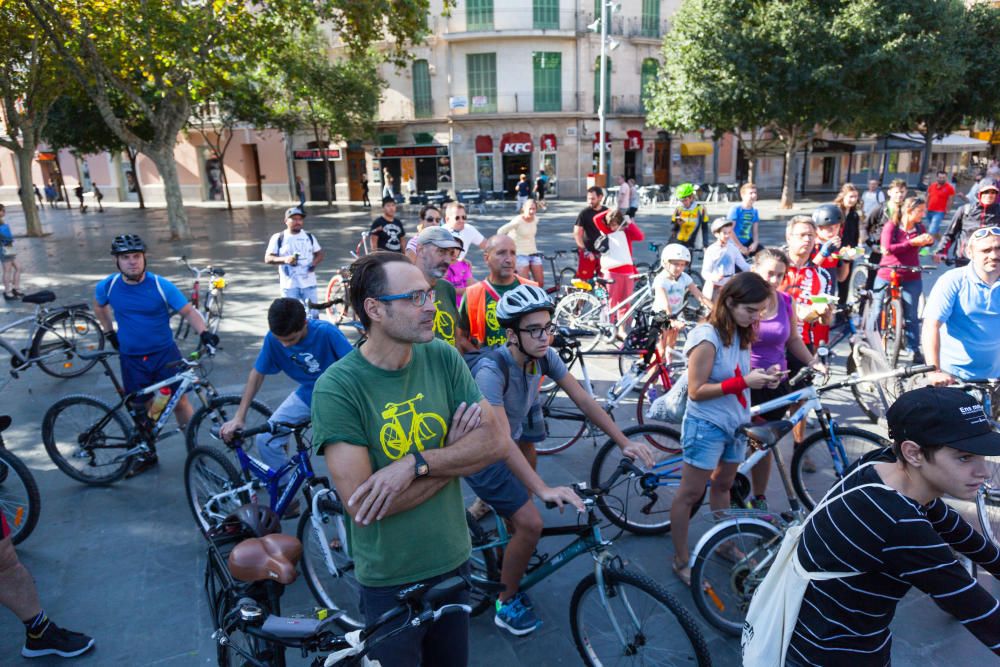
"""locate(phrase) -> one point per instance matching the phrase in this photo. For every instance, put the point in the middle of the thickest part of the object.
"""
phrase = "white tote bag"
(774, 609)
(618, 253)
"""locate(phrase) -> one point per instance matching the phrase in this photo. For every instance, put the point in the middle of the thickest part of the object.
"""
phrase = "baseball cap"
(440, 237)
(720, 223)
(387, 199)
(294, 210)
(943, 416)
(988, 184)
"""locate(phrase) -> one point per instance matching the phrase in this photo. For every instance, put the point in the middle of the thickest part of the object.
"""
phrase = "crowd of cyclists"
(466, 359)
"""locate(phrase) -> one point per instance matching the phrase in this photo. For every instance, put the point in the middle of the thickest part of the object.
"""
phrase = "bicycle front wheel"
(336, 290)
(20, 502)
(581, 311)
(728, 569)
(335, 588)
(208, 473)
(203, 429)
(213, 311)
(819, 453)
(87, 439)
(564, 423)
(60, 337)
(633, 620)
(640, 504)
(892, 330)
(484, 564)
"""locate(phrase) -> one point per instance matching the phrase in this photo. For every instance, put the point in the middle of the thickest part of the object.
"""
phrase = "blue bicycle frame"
(299, 465)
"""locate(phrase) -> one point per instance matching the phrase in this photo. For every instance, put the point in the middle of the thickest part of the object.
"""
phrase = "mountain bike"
(214, 488)
(55, 338)
(615, 614)
(588, 310)
(20, 503)
(890, 320)
(211, 310)
(339, 307)
(95, 442)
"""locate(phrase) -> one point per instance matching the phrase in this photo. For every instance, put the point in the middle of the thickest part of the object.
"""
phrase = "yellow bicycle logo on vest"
(444, 324)
(426, 428)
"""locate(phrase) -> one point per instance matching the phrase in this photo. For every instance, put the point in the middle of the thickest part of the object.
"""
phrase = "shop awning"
(992, 137)
(950, 143)
(693, 148)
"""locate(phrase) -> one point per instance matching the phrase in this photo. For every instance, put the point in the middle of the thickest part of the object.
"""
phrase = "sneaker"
(56, 641)
(515, 618)
(524, 600)
(141, 464)
(759, 503)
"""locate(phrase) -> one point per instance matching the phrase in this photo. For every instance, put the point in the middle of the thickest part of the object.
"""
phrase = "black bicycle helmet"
(826, 215)
(124, 243)
(521, 301)
(250, 520)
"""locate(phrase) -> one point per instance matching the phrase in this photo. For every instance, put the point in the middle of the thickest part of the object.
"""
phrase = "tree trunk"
(925, 160)
(788, 186)
(176, 214)
(135, 175)
(225, 182)
(24, 158)
(751, 169)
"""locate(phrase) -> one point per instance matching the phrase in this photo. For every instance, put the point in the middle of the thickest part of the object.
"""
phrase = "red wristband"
(734, 385)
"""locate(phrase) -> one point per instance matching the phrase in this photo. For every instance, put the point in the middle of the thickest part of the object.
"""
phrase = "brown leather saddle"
(268, 558)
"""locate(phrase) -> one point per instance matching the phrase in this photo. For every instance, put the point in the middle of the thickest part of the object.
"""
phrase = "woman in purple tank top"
(775, 341)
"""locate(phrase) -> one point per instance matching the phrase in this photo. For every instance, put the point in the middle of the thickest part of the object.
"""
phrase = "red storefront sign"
(484, 144)
(314, 154)
(548, 143)
(634, 141)
(597, 141)
(516, 143)
(414, 151)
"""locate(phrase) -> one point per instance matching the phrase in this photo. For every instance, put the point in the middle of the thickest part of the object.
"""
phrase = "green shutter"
(650, 18)
(482, 74)
(597, 86)
(649, 69)
(423, 106)
(479, 15)
(548, 80)
(546, 14)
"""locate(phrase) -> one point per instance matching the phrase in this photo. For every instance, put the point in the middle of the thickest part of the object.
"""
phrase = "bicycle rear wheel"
(581, 311)
(20, 503)
(86, 439)
(203, 429)
(207, 473)
(632, 619)
(60, 337)
(727, 571)
(564, 423)
(340, 590)
(336, 290)
(812, 486)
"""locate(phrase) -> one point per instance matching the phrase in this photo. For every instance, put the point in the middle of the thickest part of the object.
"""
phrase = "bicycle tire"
(651, 389)
(649, 618)
(201, 482)
(183, 329)
(21, 507)
(67, 330)
(217, 413)
(866, 394)
(564, 423)
(337, 289)
(626, 506)
(716, 580)
(57, 442)
(213, 311)
(892, 331)
(857, 282)
(340, 593)
(264, 652)
(988, 509)
(484, 564)
(581, 311)
(811, 487)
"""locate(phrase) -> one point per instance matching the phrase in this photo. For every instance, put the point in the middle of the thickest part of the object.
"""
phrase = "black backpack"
(475, 358)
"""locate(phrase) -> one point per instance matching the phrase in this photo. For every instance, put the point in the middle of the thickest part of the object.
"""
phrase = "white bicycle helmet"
(522, 300)
(675, 252)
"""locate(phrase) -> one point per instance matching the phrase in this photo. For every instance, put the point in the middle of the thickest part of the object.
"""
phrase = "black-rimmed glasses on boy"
(538, 333)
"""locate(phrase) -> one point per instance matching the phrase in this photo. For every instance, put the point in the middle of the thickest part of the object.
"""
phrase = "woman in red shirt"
(616, 262)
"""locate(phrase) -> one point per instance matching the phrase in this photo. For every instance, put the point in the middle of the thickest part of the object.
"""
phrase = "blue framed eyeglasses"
(417, 297)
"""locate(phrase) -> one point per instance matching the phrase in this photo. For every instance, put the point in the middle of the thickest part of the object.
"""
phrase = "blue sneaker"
(515, 618)
(524, 600)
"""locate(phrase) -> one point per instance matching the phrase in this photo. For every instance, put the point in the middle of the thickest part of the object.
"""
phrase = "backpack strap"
(159, 288)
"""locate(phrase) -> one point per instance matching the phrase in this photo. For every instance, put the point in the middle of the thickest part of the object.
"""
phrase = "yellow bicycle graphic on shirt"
(425, 428)
(492, 323)
(444, 324)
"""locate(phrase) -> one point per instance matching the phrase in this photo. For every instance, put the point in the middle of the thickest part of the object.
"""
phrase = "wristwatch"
(420, 467)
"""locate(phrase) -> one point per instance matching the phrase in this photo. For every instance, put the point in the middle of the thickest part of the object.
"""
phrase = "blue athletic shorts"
(497, 487)
(142, 370)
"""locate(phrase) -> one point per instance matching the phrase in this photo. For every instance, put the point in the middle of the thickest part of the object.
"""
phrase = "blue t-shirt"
(743, 221)
(305, 361)
(142, 311)
(969, 311)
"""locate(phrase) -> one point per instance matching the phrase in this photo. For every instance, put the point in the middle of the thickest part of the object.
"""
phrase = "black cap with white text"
(943, 416)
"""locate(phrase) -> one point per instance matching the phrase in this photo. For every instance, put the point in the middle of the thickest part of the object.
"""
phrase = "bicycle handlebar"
(211, 270)
(905, 371)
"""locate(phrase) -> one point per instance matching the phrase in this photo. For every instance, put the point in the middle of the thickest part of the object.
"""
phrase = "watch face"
(422, 469)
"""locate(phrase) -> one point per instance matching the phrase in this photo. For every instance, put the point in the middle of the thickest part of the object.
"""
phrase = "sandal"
(730, 553)
(18, 293)
(8, 296)
(682, 571)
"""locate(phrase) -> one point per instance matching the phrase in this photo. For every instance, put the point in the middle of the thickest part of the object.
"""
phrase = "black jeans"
(444, 644)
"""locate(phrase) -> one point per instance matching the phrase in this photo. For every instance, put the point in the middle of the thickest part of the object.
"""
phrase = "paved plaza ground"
(125, 563)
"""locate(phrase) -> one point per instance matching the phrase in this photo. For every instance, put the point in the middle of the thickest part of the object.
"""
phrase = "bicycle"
(615, 613)
(95, 443)
(214, 488)
(55, 338)
(20, 502)
(212, 310)
(336, 290)
(589, 311)
(890, 316)
(565, 424)
(562, 280)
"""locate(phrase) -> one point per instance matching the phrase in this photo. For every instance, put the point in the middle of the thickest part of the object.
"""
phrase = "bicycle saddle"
(45, 296)
(272, 557)
(767, 434)
(4, 423)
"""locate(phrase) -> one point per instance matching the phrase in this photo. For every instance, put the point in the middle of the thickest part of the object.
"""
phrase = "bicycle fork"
(602, 561)
(316, 521)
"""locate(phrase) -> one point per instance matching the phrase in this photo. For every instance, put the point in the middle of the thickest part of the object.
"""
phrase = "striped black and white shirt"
(895, 543)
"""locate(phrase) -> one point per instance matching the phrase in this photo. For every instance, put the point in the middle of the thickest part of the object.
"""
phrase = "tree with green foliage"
(30, 81)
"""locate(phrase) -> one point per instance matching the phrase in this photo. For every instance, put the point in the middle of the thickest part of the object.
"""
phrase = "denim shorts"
(705, 445)
(497, 487)
(529, 260)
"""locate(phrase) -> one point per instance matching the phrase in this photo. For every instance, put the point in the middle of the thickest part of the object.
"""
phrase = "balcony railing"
(505, 19)
(521, 103)
(401, 109)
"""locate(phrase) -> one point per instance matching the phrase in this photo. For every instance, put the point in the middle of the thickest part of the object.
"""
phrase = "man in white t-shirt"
(297, 253)
(456, 222)
(873, 196)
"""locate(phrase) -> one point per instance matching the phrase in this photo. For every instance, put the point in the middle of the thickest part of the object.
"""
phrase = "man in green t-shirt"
(437, 248)
(477, 316)
(398, 421)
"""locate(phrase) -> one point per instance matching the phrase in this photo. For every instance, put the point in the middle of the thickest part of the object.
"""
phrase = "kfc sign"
(516, 143)
(607, 142)
(634, 141)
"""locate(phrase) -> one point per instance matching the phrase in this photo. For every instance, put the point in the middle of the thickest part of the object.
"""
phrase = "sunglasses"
(416, 297)
(983, 232)
(431, 218)
(461, 217)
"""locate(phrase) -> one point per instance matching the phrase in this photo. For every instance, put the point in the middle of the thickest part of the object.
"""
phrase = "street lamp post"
(602, 120)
